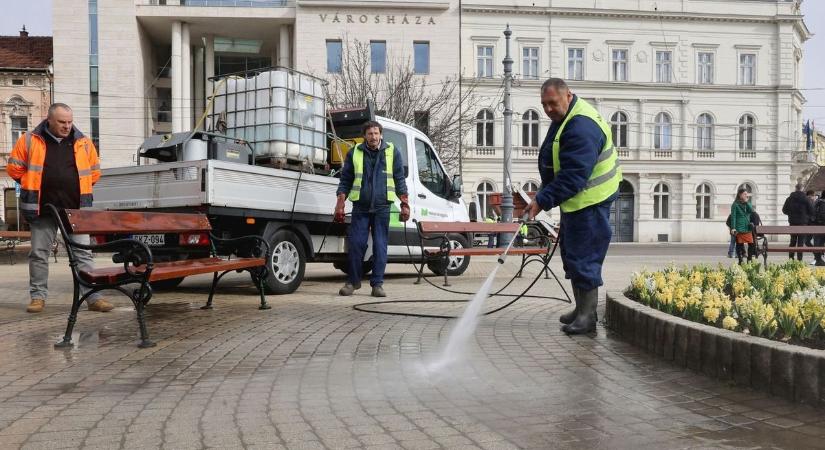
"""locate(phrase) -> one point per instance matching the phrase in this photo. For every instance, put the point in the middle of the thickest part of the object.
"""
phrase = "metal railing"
(227, 3)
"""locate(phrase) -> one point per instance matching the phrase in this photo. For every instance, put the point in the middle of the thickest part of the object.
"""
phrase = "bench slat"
(494, 251)
(468, 227)
(87, 221)
(796, 249)
(790, 229)
(15, 235)
(176, 269)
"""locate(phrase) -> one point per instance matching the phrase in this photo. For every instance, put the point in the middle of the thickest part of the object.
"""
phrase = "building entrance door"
(621, 214)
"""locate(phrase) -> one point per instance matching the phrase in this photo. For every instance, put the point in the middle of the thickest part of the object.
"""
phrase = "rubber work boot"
(101, 306)
(586, 320)
(36, 305)
(569, 317)
(349, 289)
(378, 291)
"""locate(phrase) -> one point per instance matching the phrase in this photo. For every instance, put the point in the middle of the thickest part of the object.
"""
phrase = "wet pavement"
(314, 373)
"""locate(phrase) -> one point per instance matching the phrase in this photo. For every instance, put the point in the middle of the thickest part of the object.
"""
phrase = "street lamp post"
(507, 194)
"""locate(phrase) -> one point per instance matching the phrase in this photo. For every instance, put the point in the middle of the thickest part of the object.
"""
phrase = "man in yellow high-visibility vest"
(580, 173)
(372, 179)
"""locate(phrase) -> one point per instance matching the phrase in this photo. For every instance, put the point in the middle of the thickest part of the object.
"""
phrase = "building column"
(685, 144)
(284, 47)
(177, 92)
(199, 84)
(640, 133)
(186, 78)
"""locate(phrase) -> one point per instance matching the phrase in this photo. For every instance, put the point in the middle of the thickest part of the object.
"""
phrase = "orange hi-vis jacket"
(26, 167)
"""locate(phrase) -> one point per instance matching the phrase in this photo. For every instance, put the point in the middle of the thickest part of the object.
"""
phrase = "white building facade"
(704, 94)
(703, 97)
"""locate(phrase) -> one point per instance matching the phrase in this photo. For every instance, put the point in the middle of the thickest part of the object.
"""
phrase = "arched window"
(747, 125)
(661, 201)
(663, 132)
(483, 192)
(703, 201)
(618, 126)
(530, 129)
(704, 132)
(484, 128)
(530, 186)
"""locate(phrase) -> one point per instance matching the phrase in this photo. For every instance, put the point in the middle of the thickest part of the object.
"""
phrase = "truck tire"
(344, 267)
(287, 262)
(166, 285)
(456, 265)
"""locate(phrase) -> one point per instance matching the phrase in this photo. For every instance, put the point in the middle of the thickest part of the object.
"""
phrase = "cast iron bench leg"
(67, 338)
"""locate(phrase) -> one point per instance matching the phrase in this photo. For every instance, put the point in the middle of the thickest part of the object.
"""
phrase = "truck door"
(432, 187)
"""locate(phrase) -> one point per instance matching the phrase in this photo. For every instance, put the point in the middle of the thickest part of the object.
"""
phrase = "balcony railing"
(229, 3)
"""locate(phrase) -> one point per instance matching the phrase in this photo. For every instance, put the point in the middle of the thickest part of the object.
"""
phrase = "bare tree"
(400, 94)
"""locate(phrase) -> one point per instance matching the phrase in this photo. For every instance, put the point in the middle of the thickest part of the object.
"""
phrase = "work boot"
(101, 306)
(569, 317)
(36, 305)
(378, 291)
(349, 289)
(586, 320)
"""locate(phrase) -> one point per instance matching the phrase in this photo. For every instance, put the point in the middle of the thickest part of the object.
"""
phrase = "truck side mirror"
(406, 171)
(456, 186)
(473, 212)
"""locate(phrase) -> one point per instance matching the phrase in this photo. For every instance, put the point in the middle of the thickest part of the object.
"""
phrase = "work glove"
(405, 208)
(339, 209)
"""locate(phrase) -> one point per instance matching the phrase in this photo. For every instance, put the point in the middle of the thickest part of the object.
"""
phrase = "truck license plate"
(152, 240)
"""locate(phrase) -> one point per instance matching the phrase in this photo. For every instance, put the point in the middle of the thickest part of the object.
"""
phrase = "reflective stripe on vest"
(607, 173)
(358, 165)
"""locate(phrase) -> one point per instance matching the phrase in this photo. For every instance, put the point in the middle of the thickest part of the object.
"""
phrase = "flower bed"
(783, 302)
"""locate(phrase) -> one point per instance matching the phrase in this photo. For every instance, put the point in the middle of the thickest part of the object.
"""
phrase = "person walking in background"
(732, 244)
(740, 218)
(809, 238)
(819, 219)
(799, 210)
(491, 238)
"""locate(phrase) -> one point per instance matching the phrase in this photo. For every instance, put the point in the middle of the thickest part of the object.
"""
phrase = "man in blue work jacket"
(373, 179)
(580, 173)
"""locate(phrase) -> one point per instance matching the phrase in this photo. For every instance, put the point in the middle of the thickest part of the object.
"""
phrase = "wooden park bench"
(762, 247)
(138, 266)
(439, 233)
(9, 240)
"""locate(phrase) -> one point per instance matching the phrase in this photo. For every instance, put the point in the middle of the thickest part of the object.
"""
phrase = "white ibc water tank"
(279, 97)
(321, 155)
(278, 148)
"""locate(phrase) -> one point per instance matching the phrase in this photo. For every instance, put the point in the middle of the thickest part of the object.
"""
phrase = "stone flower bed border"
(790, 371)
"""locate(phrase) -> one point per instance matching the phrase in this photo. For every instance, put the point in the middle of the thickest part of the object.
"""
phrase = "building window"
(530, 60)
(483, 192)
(530, 129)
(575, 63)
(17, 82)
(664, 66)
(94, 87)
(703, 200)
(335, 56)
(19, 125)
(422, 121)
(484, 128)
(421, 52)
(663, 132)
(705, 70)
(747, 125)
(704, 132)
(484, 57)
(661, 201)
(747, 69)
(378, 56)
(618, 126)
(619, 65)
(530, 186)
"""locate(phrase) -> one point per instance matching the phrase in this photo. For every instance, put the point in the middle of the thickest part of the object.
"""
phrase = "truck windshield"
(399, 140)
(430, 172)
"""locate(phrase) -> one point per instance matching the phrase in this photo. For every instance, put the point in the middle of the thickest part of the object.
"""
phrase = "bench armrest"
(257, 245)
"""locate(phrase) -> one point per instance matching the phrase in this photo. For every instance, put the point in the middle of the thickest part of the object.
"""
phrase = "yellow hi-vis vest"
(358, 164)
(607, 174)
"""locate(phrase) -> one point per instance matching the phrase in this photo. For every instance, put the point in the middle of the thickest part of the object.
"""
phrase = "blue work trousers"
(585, 236)
(363, 223)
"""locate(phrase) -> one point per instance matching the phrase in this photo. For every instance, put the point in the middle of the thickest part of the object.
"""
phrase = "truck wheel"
(287, 262)
(344, 267)
(166, 285)
(456, 265)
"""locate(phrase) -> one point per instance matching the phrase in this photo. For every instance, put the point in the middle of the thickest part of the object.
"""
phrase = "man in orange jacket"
(55, 163)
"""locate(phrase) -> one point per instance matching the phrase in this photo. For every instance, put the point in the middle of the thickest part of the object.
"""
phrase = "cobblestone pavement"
(313, 373)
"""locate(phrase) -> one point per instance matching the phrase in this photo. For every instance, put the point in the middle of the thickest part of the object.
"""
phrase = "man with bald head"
(580, 173)
(54, 164)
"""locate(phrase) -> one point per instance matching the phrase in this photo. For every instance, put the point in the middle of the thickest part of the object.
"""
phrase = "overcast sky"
(36, 15)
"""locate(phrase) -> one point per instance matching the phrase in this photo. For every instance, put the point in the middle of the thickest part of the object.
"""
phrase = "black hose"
(516, 297)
